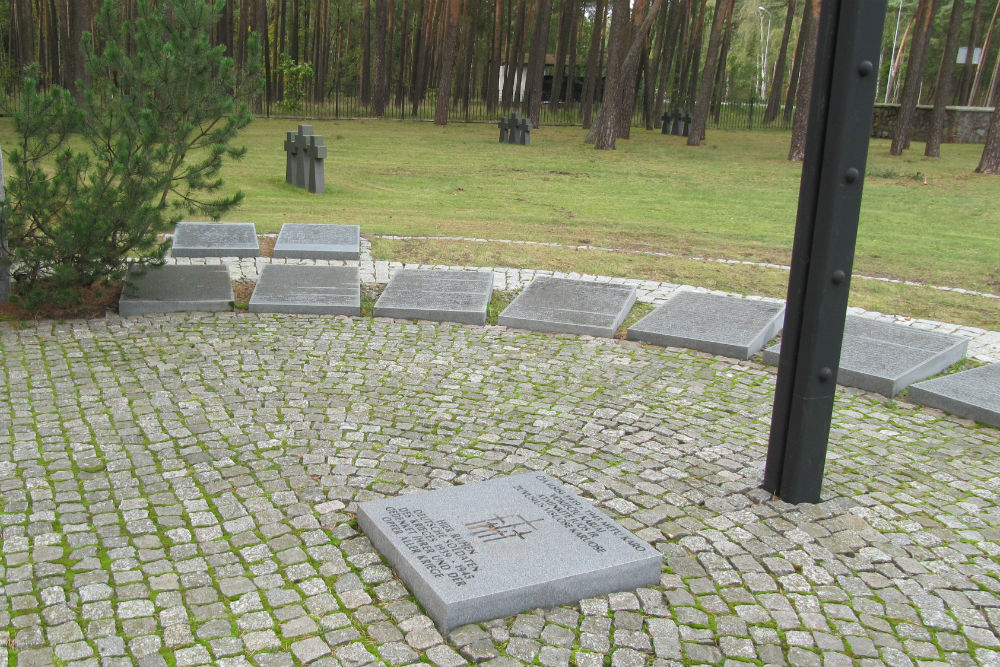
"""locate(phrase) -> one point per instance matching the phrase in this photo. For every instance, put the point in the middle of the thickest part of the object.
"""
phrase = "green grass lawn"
(931, 221)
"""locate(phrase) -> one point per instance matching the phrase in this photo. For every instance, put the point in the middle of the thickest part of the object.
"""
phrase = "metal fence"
(729, 115)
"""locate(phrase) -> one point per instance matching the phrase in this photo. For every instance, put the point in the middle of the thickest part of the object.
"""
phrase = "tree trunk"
(261, 28)
(965, 84)
(650, 75)
(942, 92)
(990, 161)
(81, 15)
(923, 26)
(631, 75)
(567, 8)
(366, 52)
(777, 83)
(691, 85)
(573, 54)
(991, 94)
(982, 61)
(293, 32)
(699, 119)
(718, 87)
(682, 58)
(422, 62)
(510, 69)
(380, 73)
(23, 29)
(593, 71)
(536, 61)
(892, 85)
(493, 69)
(667, 55)
(521, 70)
(604, 132)
(447, 63)
(800, 124)
(793, 81)
(468, 40)
(242, 35)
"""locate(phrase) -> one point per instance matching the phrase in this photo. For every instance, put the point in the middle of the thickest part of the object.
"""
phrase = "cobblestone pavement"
(180, 490)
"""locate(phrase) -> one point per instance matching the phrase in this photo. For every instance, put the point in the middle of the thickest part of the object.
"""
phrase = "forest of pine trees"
(551, 59)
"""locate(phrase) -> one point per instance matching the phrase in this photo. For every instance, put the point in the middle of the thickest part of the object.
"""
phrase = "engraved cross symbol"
(502, 527)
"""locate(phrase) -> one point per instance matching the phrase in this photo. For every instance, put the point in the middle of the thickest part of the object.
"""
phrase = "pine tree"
(148, 142)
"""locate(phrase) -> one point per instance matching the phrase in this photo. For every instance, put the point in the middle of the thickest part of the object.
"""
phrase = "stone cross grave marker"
(315, 155)
(491, 549)
(504, 129)
(4, 252)
(304, 160)
(525, 132)
(292, 158)
(514, 129)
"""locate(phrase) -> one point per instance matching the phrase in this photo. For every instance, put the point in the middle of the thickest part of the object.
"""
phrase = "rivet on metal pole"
(840, 119)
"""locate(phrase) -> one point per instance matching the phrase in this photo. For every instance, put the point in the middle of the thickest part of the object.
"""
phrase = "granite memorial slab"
(440, 296)
(496, 548)
(316, 290)
(172, 288)
(886, 358)
(561, 305)
(724, 325)
(301, 241)
(215, 239)
(974, 394)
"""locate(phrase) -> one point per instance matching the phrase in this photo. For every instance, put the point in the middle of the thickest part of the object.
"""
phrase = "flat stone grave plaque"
(491, 549)
(886, 358)
(441, 296)
(172, 288)
(215, 239)
(301, 241)
(561, 305)
(724, 325)
(315, 290)
(974, 394)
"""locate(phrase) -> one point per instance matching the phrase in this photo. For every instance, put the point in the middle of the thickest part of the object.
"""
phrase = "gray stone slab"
(491, 549)
(561, 305)
(974, 393)
(172, 288)
(441, 296)
(301, 241)
(215, 239)
(886, 358)
(724, 325)
(317, 290)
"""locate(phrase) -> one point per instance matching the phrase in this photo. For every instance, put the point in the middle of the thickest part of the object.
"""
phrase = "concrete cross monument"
(292, 167)
(4, 252)
(304, 160)
(514, 129)
(524, 132)
(315, 154)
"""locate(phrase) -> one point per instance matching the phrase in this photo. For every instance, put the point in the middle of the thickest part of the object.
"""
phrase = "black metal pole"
(840, 119)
